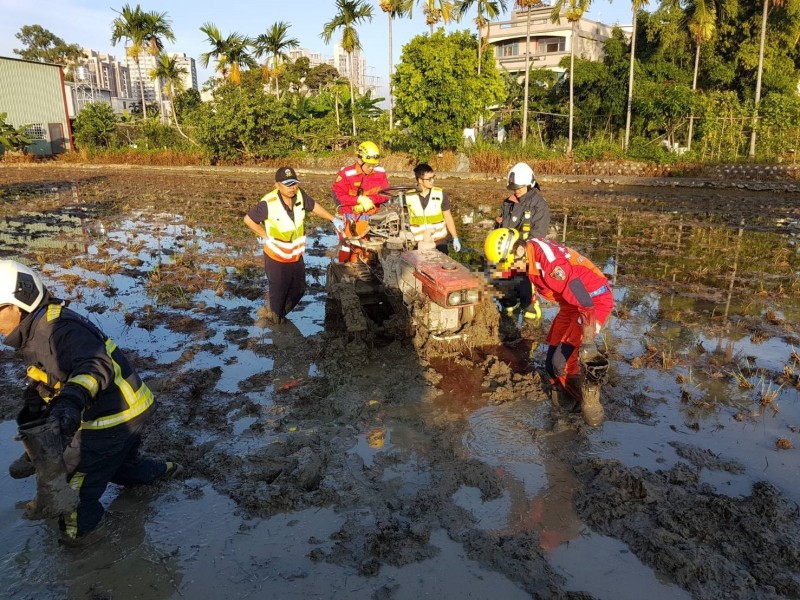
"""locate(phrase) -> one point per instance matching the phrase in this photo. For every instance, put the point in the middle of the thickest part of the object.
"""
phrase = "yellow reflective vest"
(286, 240)
(430, 219)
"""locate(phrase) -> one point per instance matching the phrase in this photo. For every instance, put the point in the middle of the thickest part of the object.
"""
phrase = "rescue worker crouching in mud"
(279, 221)
(585, 300)
(80, 381)
(527, 211)
(429, 211)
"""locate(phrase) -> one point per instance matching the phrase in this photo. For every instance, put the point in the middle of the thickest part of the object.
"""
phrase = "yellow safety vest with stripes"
(125, 399)
(286, 240)
(430, 218)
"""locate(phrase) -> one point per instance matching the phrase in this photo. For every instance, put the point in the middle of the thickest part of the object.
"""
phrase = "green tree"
(701, 16)
(43, 46)
(527, 5)
(636, 5)
(243, 123)
(488, 10)
(170, 74)
(321, 76)
(186, 102)
(12, 138)
(437, 92)
(231, 53)
(275, 42)
(349, 14)
(95, 125)
(438, 11)
(394, 9)
(664, 107)
(144, 31)
(573, 10)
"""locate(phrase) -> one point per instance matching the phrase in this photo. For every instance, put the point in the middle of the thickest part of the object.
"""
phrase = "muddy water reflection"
(183, 302)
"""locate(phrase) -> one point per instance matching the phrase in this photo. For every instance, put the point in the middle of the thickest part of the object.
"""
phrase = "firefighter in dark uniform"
(81, 380)
(279, 221)
(527, 211)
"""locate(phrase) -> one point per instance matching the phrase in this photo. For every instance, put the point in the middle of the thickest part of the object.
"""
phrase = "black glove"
(65, 412)
(32, 406)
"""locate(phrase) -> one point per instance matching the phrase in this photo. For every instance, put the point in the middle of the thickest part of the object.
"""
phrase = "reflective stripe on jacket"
(430, 218)
(286, 240)
(73, 354)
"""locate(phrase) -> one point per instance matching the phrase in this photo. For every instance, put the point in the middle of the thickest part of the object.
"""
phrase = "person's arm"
(256, 228)
(377, 181)
(540, 218)
(344, 192)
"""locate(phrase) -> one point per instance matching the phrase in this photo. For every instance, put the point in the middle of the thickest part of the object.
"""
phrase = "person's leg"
(278, 282)
(100, 457)
(296, 289)
(136, 469)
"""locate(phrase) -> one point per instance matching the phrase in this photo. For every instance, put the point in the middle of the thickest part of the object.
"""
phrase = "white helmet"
(520, 175)
(20, 286)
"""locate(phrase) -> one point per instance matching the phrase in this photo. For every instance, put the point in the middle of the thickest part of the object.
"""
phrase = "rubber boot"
(591, 408)
(22, 467)
(45, 446)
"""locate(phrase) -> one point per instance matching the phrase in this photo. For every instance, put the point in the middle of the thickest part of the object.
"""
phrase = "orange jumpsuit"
(582, 292)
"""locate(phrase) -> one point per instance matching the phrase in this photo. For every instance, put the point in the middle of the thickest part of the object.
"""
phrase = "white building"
(189, 79)
(549, 42)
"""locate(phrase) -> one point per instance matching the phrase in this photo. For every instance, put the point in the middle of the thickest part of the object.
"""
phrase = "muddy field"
(320, 466)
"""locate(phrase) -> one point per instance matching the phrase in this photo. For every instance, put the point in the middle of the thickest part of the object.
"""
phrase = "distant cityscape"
(100, 77)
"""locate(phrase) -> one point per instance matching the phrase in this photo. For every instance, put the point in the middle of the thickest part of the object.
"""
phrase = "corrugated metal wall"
(32, 94)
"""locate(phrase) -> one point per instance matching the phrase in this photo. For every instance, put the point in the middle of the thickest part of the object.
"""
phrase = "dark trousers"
(108, 456)
(287, 284)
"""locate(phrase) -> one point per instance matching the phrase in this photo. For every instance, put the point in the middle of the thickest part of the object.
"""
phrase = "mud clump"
(715, 546)
(504, 385)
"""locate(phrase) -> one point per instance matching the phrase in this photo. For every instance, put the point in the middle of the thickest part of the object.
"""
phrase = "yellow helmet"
(369, 153)
(499, 247)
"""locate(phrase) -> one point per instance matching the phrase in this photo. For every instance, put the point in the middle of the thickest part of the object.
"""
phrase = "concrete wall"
(32, 93)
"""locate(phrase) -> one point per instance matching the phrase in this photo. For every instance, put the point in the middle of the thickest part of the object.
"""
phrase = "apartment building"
(549, 42)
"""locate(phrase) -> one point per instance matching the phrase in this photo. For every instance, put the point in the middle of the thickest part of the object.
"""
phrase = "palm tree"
(231, 53)
(170, 74)
(637, 5)
(487, 11)
(764, 16)
(350, 13)
(527, 5)
(394, 8)
(701, 21)
(574, 10)
(275, 43)
(434, 14)
(143, 31)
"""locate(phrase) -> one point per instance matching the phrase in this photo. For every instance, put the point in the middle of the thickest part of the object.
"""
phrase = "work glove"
(456, 244)
(588, 349)
(65, 412)
(364, 204)
(262, 241)
(533, 314)
(338, 224)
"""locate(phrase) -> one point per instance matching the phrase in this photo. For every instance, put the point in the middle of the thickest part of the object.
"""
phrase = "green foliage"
(153, 134)
(12, 138)
(663, 107)
(43, 46)
(779, 129)
(95, 125)
(437, 92)
(186, 102)
(242, 124)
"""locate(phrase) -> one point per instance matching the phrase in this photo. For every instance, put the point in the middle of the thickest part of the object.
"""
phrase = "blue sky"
(88, 22)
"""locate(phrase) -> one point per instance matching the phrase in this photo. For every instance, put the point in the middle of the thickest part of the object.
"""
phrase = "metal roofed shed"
(32, 95)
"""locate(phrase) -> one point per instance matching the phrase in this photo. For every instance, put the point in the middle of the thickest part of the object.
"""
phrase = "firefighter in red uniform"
(279, 221)
(356, 188)
(584, 297)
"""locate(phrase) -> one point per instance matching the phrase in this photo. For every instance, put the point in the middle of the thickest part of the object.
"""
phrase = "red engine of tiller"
(444, 280)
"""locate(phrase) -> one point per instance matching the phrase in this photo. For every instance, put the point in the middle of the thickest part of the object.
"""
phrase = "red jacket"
(562, 275)
(351, 179)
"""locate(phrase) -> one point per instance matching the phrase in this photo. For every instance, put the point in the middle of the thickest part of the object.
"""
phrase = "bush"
(95, 126)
